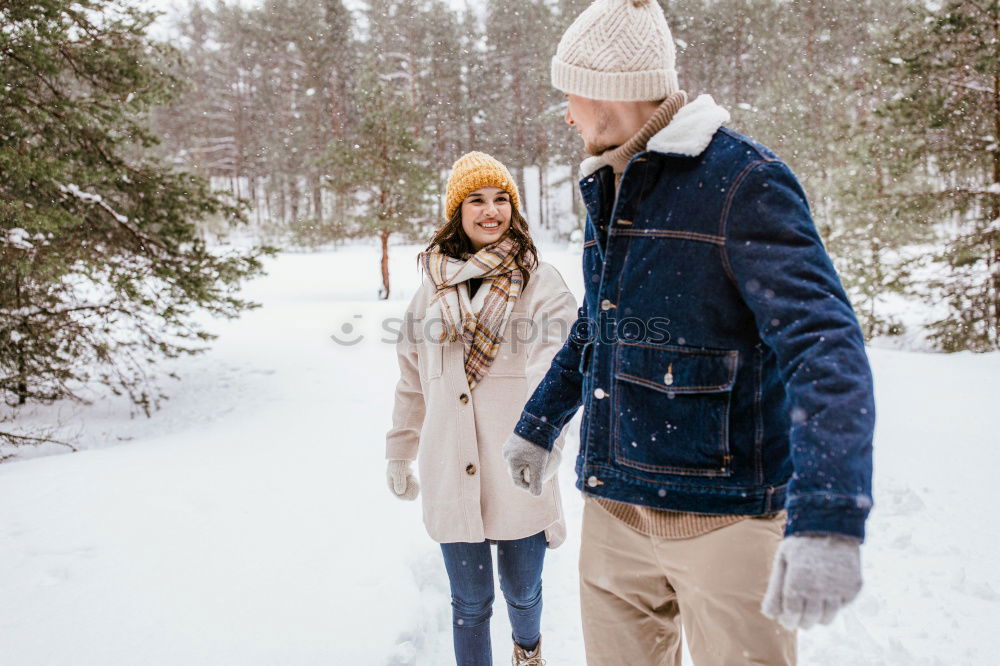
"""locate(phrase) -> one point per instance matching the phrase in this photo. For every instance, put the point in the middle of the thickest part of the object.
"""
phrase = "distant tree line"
(119, 154)
(339, 124)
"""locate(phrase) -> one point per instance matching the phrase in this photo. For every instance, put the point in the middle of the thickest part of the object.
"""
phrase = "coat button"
(592, 482)
(600, 394)
(470, 469)
(606, 304)
(464, 398)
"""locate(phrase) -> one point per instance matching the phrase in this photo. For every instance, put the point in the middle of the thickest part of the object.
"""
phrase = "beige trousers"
(636, 592)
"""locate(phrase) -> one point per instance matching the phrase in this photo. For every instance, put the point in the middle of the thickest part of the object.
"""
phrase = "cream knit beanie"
(618, 50)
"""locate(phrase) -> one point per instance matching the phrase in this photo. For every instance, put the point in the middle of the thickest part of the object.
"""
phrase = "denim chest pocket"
(671, 409)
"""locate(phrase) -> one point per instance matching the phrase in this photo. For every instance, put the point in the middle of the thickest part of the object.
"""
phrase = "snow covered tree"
(875, 231)
(208, 126)
(305, 59)
(101, 268)
(946, 66)
(522, 104)
(267, 93)
(382, 163)
(804, 78)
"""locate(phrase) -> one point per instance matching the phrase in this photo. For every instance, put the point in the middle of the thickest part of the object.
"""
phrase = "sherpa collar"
(688, 133)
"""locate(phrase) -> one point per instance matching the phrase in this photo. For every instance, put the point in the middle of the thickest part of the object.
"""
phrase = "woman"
(483, 329)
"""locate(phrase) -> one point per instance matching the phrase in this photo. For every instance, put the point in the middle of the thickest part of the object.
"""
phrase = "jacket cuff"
(401, 450)
(824, 515)
(536, 430)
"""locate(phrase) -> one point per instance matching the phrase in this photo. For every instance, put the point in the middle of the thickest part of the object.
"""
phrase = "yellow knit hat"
(472, 171)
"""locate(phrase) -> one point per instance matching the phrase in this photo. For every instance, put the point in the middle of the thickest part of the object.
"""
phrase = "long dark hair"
(452, 240)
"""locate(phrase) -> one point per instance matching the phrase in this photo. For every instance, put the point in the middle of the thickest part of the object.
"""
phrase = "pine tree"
(803, 77)
(430, 58)
(946, 67)
(874, 231)
(516, 94)
(101, 266)
(267, 94)
(381, 163)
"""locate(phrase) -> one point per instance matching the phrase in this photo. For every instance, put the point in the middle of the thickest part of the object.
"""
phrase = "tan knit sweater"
(647, 520)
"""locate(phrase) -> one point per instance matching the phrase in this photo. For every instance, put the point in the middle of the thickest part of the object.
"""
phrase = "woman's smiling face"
(486, 216)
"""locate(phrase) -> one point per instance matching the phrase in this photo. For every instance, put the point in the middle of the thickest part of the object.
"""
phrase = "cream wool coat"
(456, 434)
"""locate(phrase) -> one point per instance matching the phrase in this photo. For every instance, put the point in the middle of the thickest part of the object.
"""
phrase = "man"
(725, 449)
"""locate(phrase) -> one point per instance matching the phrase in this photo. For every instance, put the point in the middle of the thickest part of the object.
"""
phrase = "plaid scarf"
(478, 321)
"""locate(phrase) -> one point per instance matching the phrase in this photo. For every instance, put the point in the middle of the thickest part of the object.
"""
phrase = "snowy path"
(248, 522)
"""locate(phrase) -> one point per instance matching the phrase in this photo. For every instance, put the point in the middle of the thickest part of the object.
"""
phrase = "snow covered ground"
(248, 522)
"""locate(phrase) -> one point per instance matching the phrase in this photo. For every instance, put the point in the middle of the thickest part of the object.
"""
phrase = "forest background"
(341, 124)
(148, 163)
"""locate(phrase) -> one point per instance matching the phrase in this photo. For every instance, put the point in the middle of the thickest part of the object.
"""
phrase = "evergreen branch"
(19, 440)
(38, 75)
(984, 12)
(76, 70)
(967, 86)
(119, 219)
(941, 194)
(38, 310)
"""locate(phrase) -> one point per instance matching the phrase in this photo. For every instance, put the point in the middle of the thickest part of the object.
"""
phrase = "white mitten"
(401, 481)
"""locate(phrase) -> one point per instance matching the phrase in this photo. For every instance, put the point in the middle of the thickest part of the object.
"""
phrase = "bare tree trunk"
(994, 235)
(384, 235)
(340, 207)
(549, 204)
(543, 219)
(21, 390)
(439, 200)
(256, 199)
(574, 194)
(281, 199)
(268, 190)
(470, 129)
(876, 259)
(295, 196)
(876, 254)
(22, 383)
(317, 192)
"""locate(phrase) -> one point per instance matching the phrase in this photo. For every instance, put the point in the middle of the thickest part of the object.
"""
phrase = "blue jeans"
(470, 573)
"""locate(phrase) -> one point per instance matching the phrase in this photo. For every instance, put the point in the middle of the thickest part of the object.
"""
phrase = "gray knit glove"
(401, 481)
(813, 577)
(530, 465)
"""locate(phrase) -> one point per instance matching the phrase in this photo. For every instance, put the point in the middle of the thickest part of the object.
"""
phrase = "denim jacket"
(717, 358)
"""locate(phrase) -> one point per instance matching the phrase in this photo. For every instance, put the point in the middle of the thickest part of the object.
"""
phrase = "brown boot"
(524, 658)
